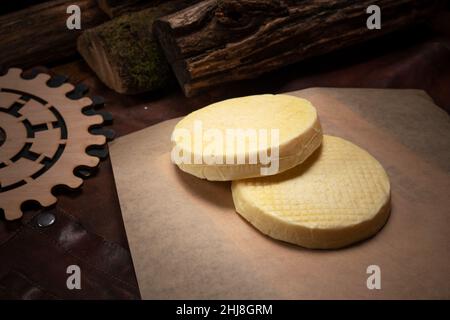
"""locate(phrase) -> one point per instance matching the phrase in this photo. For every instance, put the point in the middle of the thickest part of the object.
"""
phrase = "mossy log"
(124, 53)
(217, 41)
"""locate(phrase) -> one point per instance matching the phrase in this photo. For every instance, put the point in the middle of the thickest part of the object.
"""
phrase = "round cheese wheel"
(246, 137)
(338, 196)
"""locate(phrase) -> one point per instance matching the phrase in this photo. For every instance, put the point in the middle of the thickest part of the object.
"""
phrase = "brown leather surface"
(89, 230)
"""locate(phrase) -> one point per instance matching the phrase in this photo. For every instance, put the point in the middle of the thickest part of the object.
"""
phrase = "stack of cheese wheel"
(325, 192)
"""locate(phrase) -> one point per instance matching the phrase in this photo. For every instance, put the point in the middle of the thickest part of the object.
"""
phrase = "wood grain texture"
(115, 8)
(215, 42)
(38, 34)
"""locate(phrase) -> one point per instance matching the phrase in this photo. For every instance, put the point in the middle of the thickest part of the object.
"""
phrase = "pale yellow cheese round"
(299, 134)
(339, 196)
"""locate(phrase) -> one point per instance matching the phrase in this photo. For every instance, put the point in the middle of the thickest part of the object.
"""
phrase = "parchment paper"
(187, 242)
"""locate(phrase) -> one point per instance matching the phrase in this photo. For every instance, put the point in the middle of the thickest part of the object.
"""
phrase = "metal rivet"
(46, 220)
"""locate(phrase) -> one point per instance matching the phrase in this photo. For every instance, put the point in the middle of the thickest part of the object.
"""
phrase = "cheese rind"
(339, 196)
(295, 119)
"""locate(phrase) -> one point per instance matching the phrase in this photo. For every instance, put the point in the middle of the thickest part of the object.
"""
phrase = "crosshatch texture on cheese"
(296, 119)
(338, 196)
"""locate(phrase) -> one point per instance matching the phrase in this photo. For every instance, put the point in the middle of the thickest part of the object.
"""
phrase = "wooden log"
(214, 42)
(124, 53)
(38, 34)
(115, 8)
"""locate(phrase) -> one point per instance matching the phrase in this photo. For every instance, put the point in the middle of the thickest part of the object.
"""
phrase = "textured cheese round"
(263, 122)
(339, 196)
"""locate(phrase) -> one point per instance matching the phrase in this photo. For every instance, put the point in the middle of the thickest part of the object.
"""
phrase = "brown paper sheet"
(187, 242)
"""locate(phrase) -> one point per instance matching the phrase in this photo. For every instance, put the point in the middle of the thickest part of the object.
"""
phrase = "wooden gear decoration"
(44, 138)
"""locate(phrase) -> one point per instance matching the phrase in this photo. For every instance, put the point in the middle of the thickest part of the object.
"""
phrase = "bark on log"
(124, 53)
(115, 8)
(38, 34)
(217, 41)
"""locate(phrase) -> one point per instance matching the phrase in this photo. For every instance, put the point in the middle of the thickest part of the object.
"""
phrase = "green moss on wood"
(129, 43)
